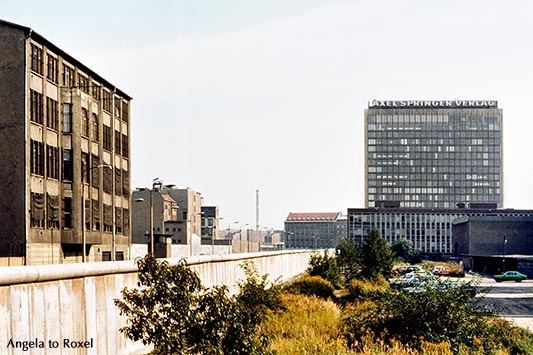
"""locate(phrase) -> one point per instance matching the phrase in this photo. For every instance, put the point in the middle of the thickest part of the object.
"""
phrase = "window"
(95, 173)
(108, 218)
(67, 164)
(125, 183)
(52, 162)
(84, 122)
(83, 83)
(118, 220)
(117, 107)
(94, 127)
(36, 107)
(95, 91)
(125, 146)
(117, 142)
(118, 182)
(107, 101)
(51, 113)
(107, 138)
(52, 211)
(125, 111)
(37, 157)
(96, 214)
(67, 118)
(67, 212)
(85, 167)
(126, 220)
(108, 180)
(37, 210)
(68, 76)
(51, 73)
(36, 59)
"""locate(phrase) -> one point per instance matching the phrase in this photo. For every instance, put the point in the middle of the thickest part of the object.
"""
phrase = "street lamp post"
(155, 183)
(84, 171)
(503, 259)
(230, 245)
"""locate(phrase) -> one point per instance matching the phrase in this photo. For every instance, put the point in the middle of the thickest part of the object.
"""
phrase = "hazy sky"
(231, 96)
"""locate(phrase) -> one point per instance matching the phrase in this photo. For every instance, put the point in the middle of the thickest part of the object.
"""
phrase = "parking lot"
(514, 298)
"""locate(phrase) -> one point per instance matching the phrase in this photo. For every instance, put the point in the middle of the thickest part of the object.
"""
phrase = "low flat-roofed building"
(429, 230)
(495, 243)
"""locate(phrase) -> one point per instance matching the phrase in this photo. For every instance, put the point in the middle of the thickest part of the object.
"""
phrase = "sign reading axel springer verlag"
(434, 104)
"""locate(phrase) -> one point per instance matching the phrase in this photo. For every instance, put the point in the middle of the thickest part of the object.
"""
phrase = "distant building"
(164, 216)
(433, 154)
(314, 230)
(496, 242)
(429, 230)
(65, 133)
(210, 220)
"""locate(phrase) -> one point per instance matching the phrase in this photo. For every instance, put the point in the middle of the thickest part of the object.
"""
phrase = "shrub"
(368, 288)
(174, 313)
(434, 316)
(312, 286)
(326, 267)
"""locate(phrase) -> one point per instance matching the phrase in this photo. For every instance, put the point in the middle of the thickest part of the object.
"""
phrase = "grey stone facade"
(60, 122)
(314, 230)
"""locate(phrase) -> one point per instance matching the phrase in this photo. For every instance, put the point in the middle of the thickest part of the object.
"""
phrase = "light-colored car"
(510, 276)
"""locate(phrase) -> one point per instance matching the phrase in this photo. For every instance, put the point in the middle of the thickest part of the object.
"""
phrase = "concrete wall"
(74, 303)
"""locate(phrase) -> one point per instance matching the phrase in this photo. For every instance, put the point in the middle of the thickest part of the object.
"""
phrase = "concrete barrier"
(69, 309)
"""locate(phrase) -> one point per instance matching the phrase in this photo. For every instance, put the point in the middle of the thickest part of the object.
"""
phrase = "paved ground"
(515, 300)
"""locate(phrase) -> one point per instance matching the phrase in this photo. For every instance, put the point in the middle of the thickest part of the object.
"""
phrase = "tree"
(171, 310)
(377, 256)
(403, 249)
(324, 266)
(348, 257)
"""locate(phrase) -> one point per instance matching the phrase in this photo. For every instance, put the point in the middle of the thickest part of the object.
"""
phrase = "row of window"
(442, 119)
(88, 128)
(83, 83)
(46, 213)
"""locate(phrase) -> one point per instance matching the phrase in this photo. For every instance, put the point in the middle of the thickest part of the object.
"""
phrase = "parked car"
(510, 276)
(411, 279)
(436, 269)
(444, 271)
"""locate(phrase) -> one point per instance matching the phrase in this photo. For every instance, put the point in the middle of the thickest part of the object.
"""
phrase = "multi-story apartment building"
(210, 218)
(188, 216)
(65, 133)
(433, 154)
(429, 230)
(314, 230)
(156, 208)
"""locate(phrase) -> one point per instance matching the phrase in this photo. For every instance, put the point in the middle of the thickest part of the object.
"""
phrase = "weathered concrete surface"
(73, 304)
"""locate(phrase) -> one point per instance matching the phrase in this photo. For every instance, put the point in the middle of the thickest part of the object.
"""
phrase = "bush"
(326, 267)
(434, 316)
(312, 286)
(174, 313)
(368, 289)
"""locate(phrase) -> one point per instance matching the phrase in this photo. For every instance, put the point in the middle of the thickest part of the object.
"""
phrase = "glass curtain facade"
(433, 157)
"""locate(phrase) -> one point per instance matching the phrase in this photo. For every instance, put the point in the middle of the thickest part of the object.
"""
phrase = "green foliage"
(172, 311)
(312, 286)
(403, 249)
(435, 316)
(369, 289)
(348, 258)
(377, 256)
(324, 266)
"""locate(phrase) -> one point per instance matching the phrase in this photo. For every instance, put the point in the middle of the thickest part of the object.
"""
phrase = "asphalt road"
(513, 300)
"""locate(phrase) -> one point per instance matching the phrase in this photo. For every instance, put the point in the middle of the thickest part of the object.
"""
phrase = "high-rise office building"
(65, 134)
(433, 154)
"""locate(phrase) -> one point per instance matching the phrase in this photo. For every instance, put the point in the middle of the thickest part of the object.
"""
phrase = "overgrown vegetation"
(172, 311)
